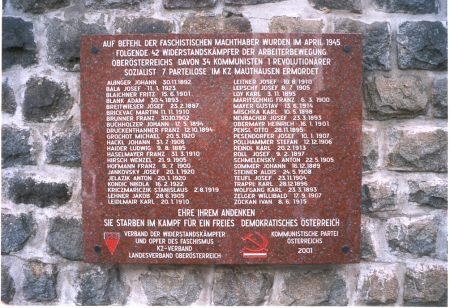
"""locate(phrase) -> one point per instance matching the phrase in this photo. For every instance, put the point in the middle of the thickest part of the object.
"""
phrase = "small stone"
(416, 236)
(407, 6)
(422, 45)
(240, 286)
(429, 193)
(380, 287)
(188, 4)
(417, 150)
(101, 286)
(376, 41)
(249, 2)
(285, 24)
(439, 98)
(386, 98)
(425, 285)
(367, 242)
(40, 281)
(9, 104)
(64, 41)
(208, 24)
(143, 25)
(18, 46)
(353, 6)
(40, 6)
(42, 194)
(45, 100)
(8, 286)
(65, 149)
(379, 196)
(17, 147)
(369, 149)
(168, 286)
(302, 287)
(112, 4)
(15, 231)
(65, 237)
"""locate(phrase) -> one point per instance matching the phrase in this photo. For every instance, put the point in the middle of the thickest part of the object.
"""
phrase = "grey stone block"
(207, 24)
(64, 41)
(353, 6)
(249, 2)
(65, 149)
(429, 193)
(285, 24)
(8, 286)
(9, 104)
(18, 45)
(426, 285)
(168, 286)
(45, 100)
(386, 98)
(407, 6)
(411, 150)
(40, 281)
(42, 194)
(367, 243)
(422, 45)
(17, 148)
(376, 41)
(188, 4)
(101, 286)
(40, 6)
(369, 150)
(113, 4)
(380, 287)
(143, 25)
(65, 237)
(379, 196)
(240, 286)
(15, 231)
(439, 98)
(416, 236)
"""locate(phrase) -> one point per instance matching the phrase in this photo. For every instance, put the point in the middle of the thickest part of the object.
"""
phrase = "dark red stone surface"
(338, 182)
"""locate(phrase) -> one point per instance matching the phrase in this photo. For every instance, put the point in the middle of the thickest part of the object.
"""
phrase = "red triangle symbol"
(112, 244)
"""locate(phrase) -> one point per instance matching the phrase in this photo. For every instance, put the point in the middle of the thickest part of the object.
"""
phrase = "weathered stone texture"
(65, 149)
(312, 288)
(353, 6)
(18, 46)
(426, 285)
(379, 196)
(386, 98)
(285, 24)
(411, 150)
(65, 237)
(369, 150)
(45, 100)
(15, 231)
(208, 24)
(42, 194)
(64, 41)
(380, 287)
(439, 98)
(101, 286)
(17, 147)
(367, 240)
(188, 4)
(376, 41)
(9, 104)
(143, 25)
(429, 193)
(407, 6)
(8, 286)
(167, 286)
(415, 235)
(40, 6)
(249, 2)
(112, 4)
(240, 286)
(422, 45)
(40, 281)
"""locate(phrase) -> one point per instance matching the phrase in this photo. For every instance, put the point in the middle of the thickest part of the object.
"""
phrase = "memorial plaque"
(221, 148)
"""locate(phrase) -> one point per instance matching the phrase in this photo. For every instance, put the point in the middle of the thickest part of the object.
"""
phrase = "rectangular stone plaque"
(221, 148)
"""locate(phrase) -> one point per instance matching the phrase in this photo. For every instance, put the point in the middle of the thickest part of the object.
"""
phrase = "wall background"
(404, 221)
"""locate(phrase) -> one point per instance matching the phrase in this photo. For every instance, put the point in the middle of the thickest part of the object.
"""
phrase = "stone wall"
(404, 189)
